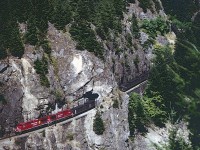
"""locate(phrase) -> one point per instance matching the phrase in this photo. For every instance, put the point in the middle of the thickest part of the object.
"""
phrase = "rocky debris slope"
(160, 136)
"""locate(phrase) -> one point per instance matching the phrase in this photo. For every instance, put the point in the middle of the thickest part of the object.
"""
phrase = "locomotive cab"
(18, 128)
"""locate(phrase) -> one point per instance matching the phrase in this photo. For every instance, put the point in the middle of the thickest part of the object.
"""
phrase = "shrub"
(143, 110)
(17, 48)
(116, 104)
(86, 38)
(44, 80)
(175, 142)
(157, 5)
(136, 60)
(135, 28)
(43, 133)
(3, 53)
(70, 136)
(2, 99)
(31, 35)
(98, 125)
(41, 67)
(61, 14)
(131, 1)
(155, 25)
(146, 4)
(46, 47)
(136, 115)
(58, 95)
(154, 109)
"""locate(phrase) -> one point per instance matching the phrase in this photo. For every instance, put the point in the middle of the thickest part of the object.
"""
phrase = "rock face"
(72, 73)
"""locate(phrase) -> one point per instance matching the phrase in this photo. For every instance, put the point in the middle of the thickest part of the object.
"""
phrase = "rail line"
(68, 120)
(136, 81)
(136, 87)
(78, 110)
(82, 110)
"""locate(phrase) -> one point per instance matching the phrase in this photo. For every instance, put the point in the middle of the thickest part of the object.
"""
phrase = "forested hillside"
(176, 74)
(103, 14)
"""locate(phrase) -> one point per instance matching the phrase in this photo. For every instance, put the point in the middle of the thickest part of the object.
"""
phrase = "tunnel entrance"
(90, 95)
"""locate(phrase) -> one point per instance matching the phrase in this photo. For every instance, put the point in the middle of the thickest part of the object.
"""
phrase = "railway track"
(68, 120)
(81, 111)
(78, 111)
(136, 81)
(136, 88)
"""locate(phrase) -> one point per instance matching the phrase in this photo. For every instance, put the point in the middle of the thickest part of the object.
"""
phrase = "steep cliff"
(41, 82)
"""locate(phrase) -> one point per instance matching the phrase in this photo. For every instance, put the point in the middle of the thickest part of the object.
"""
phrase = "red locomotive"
(82, 106)
(43, 121)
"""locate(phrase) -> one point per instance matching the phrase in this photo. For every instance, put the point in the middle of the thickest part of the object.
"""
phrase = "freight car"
(36, 123)
(130, 84)
(81, 106)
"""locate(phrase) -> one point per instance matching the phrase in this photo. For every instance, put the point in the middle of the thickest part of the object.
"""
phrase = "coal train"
(79, 107)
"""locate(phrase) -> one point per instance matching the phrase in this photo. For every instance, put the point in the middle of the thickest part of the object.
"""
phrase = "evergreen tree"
(98, 125)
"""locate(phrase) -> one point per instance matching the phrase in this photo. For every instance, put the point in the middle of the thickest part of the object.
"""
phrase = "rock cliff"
(71, 73)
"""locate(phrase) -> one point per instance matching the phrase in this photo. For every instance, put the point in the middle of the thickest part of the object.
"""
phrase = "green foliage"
(194, 121)
(98, 125)
(31, 34)
(2, 99)
(46, 47)
(196, 30)
(131, 1)
(155, 109)
(44, 80)
(3, 53)
(136, 60)
(41, 67)
(135, 28)
(178, 77)
(181, 25)
(58, 95)
(136, 115)
(86, 38)
(162, 74)
(106, 15)
(175, 142)
(157, 5)
(143, 110)
(152, 27)
(182, 9)
(115, 104)
(10, 39)
(61, 14)
(189, 60)
(70, 136)
(146, 4)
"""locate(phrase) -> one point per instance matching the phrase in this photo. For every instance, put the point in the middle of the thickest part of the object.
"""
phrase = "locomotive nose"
(17, 129)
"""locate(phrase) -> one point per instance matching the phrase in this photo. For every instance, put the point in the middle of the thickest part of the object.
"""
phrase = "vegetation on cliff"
(174, 84)
(175, 75)
(98, 125)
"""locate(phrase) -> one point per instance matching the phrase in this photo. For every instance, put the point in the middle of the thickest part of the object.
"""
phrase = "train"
(24, 126)
(130, 84)
(80, 107)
